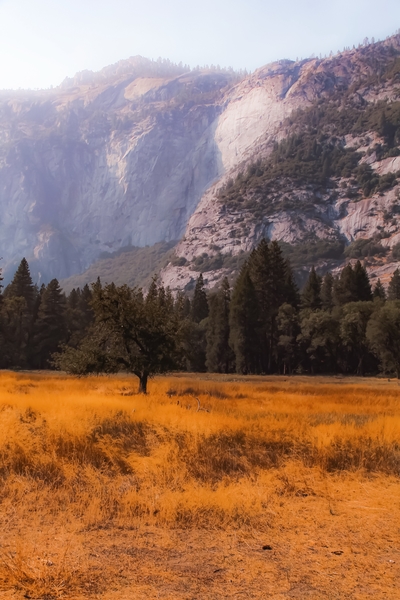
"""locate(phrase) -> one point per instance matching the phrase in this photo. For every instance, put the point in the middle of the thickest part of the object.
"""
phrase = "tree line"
(263, 325)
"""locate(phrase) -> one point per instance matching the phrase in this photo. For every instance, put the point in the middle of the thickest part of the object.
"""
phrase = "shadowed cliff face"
(99, 167)
(134, 155)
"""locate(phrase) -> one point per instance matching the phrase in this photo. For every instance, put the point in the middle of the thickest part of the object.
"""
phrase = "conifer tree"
(383, 334)
(20, 302)
(288, 329)
(243, 323)
(362, 284)
(199, 307)
(182, 305)
(292, 295)
(85, 305)
(260, 272)
(50, 327)
(353, 330)
(274, 284)
(394, 286)
(219, 355)
(327, 291)
(379, 291)
(311, 294)
(344, 289)
(22, 285)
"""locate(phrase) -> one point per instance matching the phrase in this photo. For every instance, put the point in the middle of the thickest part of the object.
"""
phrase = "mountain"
(146, 152)
(106, 161)
(322, 177)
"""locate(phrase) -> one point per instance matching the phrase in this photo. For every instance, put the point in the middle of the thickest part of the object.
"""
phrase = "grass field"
(209, 487)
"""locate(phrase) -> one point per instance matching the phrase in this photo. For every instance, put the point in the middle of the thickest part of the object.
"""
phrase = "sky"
(44, 41)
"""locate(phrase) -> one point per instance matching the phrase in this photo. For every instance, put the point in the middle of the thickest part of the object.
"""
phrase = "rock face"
(102, 165)
(135, 154)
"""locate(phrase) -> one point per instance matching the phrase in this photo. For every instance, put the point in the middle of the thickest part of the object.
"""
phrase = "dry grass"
(91, 471)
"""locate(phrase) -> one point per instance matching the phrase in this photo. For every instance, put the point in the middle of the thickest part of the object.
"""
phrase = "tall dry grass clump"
(211, 453)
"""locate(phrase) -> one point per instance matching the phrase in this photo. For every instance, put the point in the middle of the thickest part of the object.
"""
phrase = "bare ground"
(342, 544)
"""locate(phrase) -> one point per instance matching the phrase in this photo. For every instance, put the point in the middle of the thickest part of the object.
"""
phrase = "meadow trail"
(280, 488)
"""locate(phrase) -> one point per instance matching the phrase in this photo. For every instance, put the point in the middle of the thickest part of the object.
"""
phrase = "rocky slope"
(301, 211)
(143, 152)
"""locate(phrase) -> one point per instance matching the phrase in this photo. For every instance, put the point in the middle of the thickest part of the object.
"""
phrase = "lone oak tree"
(131, 333)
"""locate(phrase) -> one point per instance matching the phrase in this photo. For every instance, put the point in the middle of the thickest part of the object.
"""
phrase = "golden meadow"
(212, 452)
(110, 455)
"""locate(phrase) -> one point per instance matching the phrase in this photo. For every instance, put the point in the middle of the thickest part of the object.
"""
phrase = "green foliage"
(311, 294)
(130, 266)
(383, 334)
(243, 323)
(233, 263)
(320, 340)
(309, 252)
(131, 333)
(394, 286)
(353, 330)
(315, 152)
(220, 357)
(363, 248)
(199, 307)
(379, 292)
(288, 330)
(49, 331)
(326, 294)
(353, 285)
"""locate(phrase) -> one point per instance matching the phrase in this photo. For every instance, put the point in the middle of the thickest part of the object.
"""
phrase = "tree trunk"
(143, 383)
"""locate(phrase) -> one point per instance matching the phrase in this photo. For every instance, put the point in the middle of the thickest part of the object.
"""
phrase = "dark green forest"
(263, 325)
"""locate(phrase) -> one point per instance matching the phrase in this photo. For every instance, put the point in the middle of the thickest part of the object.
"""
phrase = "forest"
(263, 325)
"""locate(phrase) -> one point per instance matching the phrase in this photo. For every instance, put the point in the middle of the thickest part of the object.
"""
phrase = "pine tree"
(362, 284)
(182, 305)
(292, 295)
(22, 286)
(50, 327)
(353, 328)
(327, 291)
(19, 307)
(260, 272)
(243, 323)
(379, 291)
(394, 286)
(289, 329)
(311, 294)
(219, 355)
(274, 284)
(344, 289)
(383, 334)
(199, 308)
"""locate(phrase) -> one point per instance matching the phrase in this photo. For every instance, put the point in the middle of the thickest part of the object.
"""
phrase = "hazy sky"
(43, 41)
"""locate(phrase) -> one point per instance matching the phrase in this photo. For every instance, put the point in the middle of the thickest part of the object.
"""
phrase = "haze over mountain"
(145, 152)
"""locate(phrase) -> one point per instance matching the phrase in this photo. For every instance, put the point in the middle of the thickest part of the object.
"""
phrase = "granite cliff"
(145, 152)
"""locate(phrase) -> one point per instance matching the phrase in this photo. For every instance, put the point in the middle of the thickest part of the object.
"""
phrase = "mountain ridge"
(102, 164)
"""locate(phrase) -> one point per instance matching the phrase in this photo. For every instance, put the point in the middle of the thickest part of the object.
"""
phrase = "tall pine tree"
(394, 286)
(243, 323)
(311, 294)
(20, 305)
(199, 307)
(50, 327)
(327, 291)
(219, 355)
(362, 283)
